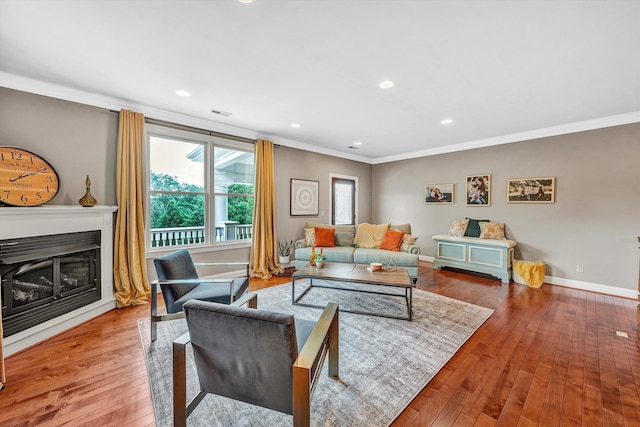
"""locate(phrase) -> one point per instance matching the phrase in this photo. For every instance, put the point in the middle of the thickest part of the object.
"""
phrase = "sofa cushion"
(367, 256)
(492, 230)
(473, 229)
(335, 254)
(370, 235)
(324, 237)
(309, 236)
(407, 241)
(401, 227)
(392, 240)
(344, 234)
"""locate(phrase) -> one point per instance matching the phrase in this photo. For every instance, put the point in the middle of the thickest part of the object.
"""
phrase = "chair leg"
(334, 345)
(154, 309)
(301, 397)
(180, 381)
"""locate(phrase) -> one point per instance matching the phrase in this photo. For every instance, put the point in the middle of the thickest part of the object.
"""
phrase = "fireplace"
(71, 275)
(43, 277)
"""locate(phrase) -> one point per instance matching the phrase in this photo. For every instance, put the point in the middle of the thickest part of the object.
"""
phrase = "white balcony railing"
(180, 236)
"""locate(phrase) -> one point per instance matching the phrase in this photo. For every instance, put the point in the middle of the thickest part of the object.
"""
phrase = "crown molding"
(13, 81)
(603, 122)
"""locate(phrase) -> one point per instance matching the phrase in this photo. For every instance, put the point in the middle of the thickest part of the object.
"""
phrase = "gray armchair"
(275, 365)
(179, 281)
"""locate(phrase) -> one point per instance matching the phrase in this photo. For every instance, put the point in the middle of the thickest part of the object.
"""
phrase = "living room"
(587, 238)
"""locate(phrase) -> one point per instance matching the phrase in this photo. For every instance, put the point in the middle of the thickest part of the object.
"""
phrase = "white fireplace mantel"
(17, 222)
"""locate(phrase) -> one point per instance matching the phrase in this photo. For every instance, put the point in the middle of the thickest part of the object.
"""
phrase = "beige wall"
(594, 221)
(77, 140)
(300, 164)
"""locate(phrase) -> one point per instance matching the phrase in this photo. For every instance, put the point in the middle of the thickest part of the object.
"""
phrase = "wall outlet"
(580, 268)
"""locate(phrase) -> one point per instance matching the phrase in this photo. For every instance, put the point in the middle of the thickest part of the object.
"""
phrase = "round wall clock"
(26, 179)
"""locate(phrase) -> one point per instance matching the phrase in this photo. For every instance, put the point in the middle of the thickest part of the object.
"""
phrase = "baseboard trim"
(577, 284)
(592, 287)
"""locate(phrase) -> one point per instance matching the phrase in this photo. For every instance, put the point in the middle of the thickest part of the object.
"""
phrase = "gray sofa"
(346, 251)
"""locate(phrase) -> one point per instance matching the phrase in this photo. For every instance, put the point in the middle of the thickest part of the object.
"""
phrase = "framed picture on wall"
(439, 193)
(531, 190)
(479, 190)
(304, 197)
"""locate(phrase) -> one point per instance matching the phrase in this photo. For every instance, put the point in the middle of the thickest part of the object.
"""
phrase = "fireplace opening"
(44, 277)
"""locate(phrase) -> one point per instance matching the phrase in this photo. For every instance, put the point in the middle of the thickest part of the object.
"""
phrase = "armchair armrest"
(250, 299)
(220, 264)
(180, 408)
(308, 365)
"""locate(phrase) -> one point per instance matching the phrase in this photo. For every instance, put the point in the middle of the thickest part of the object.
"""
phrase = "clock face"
(25, 178)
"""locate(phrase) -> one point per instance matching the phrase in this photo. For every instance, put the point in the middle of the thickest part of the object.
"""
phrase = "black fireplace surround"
(44, 277)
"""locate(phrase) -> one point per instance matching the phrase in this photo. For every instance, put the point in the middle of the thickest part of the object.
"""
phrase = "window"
(343, 200)
(200, 189)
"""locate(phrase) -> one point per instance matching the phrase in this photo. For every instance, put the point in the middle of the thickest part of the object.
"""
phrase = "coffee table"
(355, 273)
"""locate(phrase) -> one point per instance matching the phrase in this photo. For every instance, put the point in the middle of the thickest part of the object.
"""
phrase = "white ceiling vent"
(222, 113)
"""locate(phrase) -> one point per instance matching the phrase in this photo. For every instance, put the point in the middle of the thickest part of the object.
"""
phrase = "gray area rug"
(384, 363)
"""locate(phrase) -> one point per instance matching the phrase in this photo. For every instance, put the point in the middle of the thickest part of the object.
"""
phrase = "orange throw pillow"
(325, 237)
(392, 240)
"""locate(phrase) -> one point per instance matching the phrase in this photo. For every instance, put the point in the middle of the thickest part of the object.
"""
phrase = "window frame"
(209, 143)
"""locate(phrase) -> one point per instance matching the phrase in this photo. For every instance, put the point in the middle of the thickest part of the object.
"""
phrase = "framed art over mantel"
(304, 197)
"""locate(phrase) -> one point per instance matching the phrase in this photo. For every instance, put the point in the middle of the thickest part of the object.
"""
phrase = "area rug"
(384, 363)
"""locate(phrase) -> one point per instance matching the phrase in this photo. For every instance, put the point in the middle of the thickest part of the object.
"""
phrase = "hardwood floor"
(547, 356)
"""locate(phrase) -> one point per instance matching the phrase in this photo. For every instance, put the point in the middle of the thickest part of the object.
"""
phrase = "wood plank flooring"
(546, 357)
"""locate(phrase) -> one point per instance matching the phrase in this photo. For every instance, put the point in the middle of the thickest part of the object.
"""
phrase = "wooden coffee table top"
(355, 273)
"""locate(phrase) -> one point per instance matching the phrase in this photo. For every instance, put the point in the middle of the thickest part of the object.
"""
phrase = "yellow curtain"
(129, 262)
(264, 247)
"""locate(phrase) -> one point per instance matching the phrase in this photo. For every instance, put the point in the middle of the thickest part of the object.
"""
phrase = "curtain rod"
(178, 126)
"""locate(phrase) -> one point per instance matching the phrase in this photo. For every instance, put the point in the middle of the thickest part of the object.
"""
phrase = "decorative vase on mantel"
(88, 200)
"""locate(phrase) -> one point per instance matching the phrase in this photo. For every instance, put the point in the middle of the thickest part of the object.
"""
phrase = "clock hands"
(15, 178)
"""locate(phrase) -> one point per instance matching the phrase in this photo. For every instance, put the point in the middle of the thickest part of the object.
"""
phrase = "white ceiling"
(502, 70)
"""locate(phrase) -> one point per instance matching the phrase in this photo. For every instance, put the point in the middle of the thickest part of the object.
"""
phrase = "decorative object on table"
(389, 263)
(375, 266)
(304, 197)
(312, 257)
(284, 251)
(88, 200)
(26, 179)
(439, 193)
(320, 259)
(479, 190)
(531, 190)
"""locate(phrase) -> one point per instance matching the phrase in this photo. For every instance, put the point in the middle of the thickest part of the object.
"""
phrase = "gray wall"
(300, 164)
(594, 221)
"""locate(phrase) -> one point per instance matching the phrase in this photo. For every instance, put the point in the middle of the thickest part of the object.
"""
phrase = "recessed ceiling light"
(181, 92)
(246, 1)
(295, 125)
(357, 143)
(446, 121)
(386, 84)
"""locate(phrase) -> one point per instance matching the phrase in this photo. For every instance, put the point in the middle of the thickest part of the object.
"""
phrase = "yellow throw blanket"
(532, 273)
